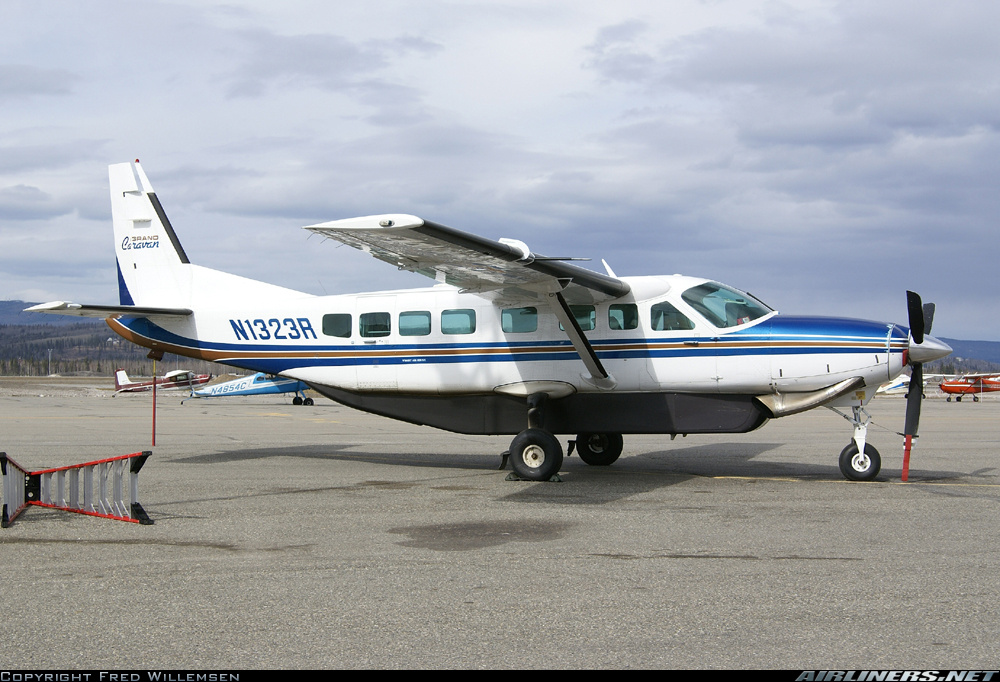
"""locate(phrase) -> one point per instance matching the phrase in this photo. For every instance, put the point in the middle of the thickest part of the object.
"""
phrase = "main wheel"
(599, 449)
(858, 467)
(296, 400)
(307, 402)
(536, 455)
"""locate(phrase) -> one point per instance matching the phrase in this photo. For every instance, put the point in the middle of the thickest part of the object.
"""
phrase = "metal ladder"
(60, 488)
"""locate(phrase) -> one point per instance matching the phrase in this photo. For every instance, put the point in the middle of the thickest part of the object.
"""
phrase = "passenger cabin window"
(337, 324)
(415, 323)
(586, 316)
(664, 317)
(374, 324)
(623, 316)
(519, 320)
(723, 306)
(462, 321)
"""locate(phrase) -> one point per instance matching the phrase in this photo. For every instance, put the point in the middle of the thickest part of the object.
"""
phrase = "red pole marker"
(154, 402)
(906, 458)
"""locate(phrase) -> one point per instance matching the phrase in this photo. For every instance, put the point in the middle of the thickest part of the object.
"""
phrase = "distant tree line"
(953, 365)
(85, 348)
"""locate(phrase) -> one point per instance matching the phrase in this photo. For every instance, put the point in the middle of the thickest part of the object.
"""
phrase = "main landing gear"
(599, 449)
(536, 455)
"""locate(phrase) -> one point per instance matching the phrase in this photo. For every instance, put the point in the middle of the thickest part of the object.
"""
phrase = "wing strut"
(599, 376)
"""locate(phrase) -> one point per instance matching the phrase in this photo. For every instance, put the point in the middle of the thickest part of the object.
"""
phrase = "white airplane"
(171, 381)
(257, 384)
(898, 386)
(511, 342)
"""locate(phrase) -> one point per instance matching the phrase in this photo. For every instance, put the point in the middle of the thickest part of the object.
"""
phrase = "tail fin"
(153, 269)
(121, 380)
(151, 260)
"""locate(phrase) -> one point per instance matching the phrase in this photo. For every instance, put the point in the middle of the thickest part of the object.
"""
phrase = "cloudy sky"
(824, 155)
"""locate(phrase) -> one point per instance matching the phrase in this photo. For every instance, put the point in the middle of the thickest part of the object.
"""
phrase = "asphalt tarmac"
(322, 537)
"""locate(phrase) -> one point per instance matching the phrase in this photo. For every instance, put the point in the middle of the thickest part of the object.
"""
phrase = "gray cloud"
(22, 202)
(21, 80)
(325, 61)
(824, 156)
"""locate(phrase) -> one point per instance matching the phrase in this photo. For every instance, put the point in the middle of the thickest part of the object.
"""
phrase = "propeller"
(921, 317)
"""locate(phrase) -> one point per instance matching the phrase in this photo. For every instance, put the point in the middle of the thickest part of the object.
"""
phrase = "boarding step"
(60, 488)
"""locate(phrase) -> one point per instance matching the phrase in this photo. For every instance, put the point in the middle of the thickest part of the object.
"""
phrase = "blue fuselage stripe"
(788, 336)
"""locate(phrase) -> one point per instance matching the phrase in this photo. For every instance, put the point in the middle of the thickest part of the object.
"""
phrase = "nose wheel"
(858, 466)
(859, 461)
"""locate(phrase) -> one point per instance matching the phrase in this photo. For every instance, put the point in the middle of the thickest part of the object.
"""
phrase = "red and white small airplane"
(511, 342)
(175, 380)
(970, 384)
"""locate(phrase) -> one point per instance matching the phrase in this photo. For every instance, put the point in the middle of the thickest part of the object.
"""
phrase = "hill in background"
(32, 344)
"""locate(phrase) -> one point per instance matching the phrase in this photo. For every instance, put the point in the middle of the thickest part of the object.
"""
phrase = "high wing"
(102, 311)
(504, 270)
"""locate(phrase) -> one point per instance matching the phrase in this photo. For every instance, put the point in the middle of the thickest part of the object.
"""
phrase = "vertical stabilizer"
(121, 380)
(153, 268)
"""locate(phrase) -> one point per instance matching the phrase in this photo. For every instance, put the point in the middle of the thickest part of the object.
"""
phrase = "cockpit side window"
(665, 317)
(623, 316)
(723, 306)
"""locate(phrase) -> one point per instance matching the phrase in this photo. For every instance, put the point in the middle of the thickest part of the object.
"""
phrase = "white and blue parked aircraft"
(509, 341)
(256, 384)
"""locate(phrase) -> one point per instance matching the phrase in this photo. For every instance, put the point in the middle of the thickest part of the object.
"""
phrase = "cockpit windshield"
(723, 306)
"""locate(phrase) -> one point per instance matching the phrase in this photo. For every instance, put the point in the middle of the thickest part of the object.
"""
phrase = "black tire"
(599, 449)
(857, 468)
(307, 402)
(296, 400)
(535, 455)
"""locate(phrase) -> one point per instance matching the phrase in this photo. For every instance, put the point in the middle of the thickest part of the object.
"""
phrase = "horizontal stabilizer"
(102, 311)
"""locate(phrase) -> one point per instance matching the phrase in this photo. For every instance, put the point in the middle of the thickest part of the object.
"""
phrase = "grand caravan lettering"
(151, 241)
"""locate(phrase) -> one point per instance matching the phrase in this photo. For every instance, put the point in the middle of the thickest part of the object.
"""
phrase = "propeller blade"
(915, 308)
(928, 317)
(913, 398)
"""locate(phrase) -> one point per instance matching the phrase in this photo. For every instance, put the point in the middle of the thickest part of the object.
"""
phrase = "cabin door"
(376, 368)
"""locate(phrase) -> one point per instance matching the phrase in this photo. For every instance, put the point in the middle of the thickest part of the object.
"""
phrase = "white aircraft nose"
(930, 349)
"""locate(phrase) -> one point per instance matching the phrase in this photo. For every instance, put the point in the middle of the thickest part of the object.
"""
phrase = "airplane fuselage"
(439, 341)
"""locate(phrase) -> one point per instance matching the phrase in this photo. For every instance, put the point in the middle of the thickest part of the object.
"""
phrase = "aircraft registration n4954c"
(511, 342)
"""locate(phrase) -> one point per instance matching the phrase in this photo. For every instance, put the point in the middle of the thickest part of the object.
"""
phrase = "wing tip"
(52, 306)
(386, 221)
